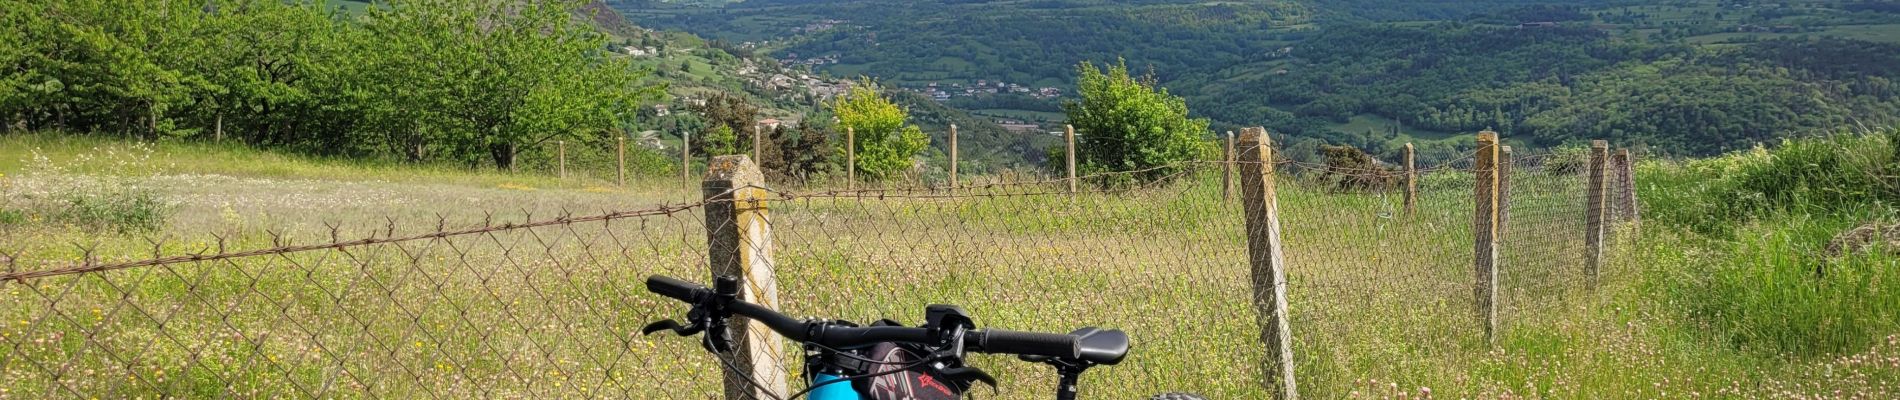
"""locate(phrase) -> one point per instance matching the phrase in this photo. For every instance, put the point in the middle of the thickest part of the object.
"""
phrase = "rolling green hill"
(1687, 77)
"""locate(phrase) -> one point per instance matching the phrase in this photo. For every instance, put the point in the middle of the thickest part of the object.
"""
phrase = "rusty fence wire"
(552, 306)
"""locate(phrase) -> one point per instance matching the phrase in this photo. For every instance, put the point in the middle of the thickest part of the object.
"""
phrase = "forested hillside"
(1689, 77)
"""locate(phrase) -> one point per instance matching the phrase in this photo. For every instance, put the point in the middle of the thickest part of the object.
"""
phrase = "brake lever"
(967, 374)
(663, 325)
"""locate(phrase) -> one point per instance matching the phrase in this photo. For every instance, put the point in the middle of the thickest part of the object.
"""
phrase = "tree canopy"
(886, 142)
(1126, 123)
(469, 81)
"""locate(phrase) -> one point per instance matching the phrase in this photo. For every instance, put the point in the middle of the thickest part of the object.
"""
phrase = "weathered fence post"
(1593, 211)
(686, 158)
(1266, 259)
(1485, 229)
(739, 244)
(758, 154)
(560, 152)
(1068, 135)
(953, 156)
(1411, 181)
(850, 159)
(1227, 170)
(620, 154)
(1625, 188)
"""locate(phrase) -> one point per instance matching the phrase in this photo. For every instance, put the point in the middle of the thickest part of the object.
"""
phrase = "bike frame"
(835, 391)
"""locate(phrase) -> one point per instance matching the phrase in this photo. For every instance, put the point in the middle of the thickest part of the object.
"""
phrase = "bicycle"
(844, 361)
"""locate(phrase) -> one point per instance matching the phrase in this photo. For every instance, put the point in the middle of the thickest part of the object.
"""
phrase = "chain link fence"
(552, 306)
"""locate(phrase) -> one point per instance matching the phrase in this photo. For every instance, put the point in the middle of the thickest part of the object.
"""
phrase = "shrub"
(127, 210)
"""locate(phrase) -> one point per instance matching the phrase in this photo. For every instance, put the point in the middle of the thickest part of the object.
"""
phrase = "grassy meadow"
(1381, 300)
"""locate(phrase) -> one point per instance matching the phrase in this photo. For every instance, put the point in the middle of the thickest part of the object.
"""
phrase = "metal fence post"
(739, 244)
(1593, 211)
(1485, 228)
(1411, 181)
(1267, 260)
(560, 152)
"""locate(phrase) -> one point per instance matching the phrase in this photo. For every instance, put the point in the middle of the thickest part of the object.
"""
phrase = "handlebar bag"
(917, 383)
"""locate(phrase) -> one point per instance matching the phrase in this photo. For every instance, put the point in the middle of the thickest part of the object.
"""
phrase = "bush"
(118, 210)
(1126, 123)
(1809, 176)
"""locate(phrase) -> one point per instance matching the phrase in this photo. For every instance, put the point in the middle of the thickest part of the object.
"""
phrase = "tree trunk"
(504, 155)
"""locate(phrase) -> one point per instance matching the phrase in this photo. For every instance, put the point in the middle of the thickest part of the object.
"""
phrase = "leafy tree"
(718, 140)
(505, 74)
(1125, 123)
(885, 143)
(728, 115)
(474, 81)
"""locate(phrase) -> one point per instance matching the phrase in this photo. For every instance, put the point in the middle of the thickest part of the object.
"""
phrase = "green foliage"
(1608, 70)
(731, 121)
(1126, 123)
(425, 80)
(123, 210)
(886, 144)
(1801, 177)
(1771, 291)
(719, 140)
(1760, 280)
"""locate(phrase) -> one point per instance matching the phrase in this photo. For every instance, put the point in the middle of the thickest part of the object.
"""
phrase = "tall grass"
(1754, 276)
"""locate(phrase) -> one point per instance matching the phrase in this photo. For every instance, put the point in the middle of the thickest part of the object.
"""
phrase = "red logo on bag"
(927, 381)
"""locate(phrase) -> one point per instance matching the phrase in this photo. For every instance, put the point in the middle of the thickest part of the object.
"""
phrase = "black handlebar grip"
(1031, 343)
(674, 288)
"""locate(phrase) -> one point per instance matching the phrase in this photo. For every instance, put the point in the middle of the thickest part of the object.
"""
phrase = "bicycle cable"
(748, 377)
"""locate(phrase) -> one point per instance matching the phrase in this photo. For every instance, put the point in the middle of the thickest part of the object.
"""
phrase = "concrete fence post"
(1593, 211)
(1626, 209)
(850, 158)
(1411, 180)
(739, 244)
(560, 152)
(1267, 260)
(1485, 229)
(758, 147)
(1068, 136)
(620, 154)
(1227, 170)
(953, 156)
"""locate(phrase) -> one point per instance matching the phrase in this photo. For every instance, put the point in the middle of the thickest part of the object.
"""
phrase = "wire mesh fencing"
(517, 308)
(553, 306)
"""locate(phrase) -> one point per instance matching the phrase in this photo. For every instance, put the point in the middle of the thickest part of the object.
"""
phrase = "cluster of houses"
(944, 91)
(819, 88)
(792, 59)
(638, 51)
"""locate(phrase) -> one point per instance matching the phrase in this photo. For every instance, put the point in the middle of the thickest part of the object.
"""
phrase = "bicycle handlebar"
(996, 341)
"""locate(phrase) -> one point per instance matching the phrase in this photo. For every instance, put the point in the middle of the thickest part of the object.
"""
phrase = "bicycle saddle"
(1102, 347)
